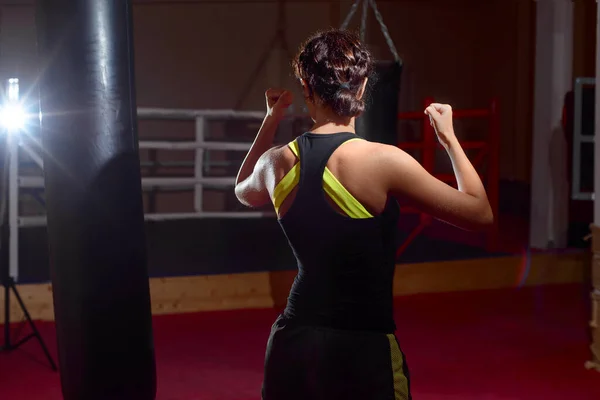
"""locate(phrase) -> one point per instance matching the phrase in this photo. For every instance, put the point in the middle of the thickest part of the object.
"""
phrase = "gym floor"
(527, 343)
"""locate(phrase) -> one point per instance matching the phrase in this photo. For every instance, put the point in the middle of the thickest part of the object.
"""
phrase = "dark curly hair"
(334, 64)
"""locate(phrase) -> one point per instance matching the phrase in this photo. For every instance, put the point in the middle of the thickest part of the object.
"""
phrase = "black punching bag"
(379, 122)
(94, 200)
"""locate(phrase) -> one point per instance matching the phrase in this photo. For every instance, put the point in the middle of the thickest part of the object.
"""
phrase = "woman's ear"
(305, 89)
(361, 91)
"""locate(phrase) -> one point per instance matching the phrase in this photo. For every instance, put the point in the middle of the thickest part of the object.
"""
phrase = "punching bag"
(379, 122)
(94, 200)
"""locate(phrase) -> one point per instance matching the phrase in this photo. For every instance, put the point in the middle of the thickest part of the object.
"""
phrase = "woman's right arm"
(467, 207)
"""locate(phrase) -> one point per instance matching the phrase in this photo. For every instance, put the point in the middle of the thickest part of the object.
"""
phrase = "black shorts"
(314, 363)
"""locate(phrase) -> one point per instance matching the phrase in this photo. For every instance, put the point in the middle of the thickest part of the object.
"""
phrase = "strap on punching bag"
(379, 122)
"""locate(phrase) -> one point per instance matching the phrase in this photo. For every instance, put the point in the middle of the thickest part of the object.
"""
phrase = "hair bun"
(334, 65)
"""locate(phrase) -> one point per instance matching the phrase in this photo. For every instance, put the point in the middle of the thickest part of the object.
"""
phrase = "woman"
(336, 196)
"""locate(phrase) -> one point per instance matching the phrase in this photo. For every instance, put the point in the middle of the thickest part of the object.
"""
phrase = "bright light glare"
(12, 117)
(13, 89)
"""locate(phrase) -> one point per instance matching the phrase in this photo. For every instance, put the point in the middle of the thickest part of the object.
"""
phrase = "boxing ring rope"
(196, 182)
(202, 147)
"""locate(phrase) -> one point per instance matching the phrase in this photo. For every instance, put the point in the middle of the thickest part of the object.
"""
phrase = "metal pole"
(199, 164)
(12, 153)
(13, 207)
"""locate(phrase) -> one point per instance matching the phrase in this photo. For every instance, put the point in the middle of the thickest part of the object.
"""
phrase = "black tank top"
(345, 265)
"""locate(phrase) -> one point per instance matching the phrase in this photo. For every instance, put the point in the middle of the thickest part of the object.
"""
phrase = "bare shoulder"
(367, 145)
(371, 157)
(273, 156)
(380, 153)
(275, 163)
(390, 165)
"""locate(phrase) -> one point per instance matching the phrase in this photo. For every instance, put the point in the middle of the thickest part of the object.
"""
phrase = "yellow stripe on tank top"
(289, 181)
(400, 380)
(334, 189)
(342, 197)
(285, 186)
(295, 149)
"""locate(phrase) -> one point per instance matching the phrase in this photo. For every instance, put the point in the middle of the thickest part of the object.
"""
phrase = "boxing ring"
(23, 150)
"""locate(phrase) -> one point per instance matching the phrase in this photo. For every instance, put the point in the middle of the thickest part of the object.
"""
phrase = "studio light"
(12, 115)
(13, 90)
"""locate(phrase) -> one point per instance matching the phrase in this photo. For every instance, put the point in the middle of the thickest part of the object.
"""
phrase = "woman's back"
(345, 250)
(334, 195)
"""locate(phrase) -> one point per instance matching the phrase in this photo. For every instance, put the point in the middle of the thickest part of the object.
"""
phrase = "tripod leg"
(34, 328)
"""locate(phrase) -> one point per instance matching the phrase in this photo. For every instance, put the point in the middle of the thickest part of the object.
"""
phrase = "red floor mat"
(497, 345)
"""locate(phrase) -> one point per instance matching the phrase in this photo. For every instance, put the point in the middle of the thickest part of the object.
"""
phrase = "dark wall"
(202, 55)
(459, 51)
(584, 38)
(465, 52)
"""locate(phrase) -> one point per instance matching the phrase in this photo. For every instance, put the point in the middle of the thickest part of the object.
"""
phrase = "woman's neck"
(326, 123)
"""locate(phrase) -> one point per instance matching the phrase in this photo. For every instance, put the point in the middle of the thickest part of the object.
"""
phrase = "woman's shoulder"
(280, 158)
(371, 148)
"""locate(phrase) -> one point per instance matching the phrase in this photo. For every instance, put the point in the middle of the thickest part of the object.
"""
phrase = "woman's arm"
(467, 207)
(250, 188)
(250, 184)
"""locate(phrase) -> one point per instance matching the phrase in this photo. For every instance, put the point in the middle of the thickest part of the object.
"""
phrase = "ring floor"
(528, 343)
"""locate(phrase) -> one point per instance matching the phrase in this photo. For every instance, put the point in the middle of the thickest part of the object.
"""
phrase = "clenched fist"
(440, 117)
(277, 101)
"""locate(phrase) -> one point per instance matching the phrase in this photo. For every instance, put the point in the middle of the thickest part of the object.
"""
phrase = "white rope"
(171, 113)
(41, 220)
(38, 182)
(167, 182)
(165, 145)
(191, 114)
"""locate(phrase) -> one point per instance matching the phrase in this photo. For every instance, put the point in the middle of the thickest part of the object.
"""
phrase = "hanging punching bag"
(379, 122)
(94, 200)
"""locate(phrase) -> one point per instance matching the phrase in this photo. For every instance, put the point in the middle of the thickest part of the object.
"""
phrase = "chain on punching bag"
(94, 200)
(379, 122)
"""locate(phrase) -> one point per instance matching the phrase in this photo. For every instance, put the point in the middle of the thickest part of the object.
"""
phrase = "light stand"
(10, 128)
